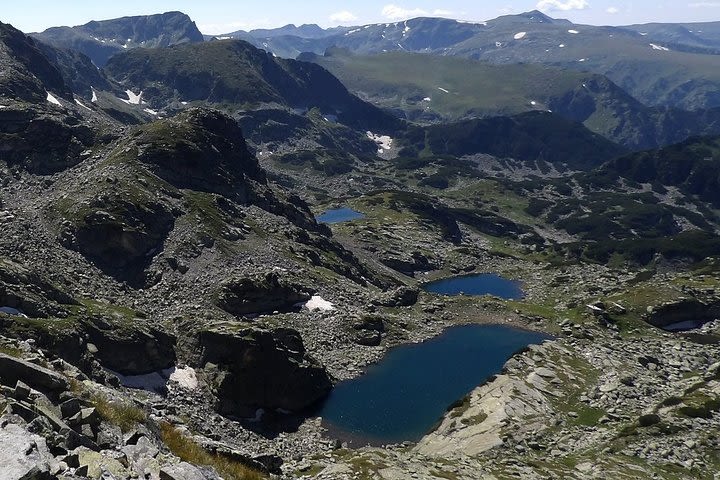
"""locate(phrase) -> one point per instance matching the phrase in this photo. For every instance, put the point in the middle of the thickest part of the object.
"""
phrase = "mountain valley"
(173, 305)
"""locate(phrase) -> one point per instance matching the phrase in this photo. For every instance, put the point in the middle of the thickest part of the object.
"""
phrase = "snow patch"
(316, 302)
(150, 111)
(94, 96)
(353, 31)
(562, 45)
(520, 35)
(574, 32)
(83, 106)
(659, 47)
(384, 142)
(51, 98)
(132, 98)
(533, 103)
(427, 99)
(498, 44)
(443, 90)
(185, 377)
(12, 311)
(184, 103)
(582, 60)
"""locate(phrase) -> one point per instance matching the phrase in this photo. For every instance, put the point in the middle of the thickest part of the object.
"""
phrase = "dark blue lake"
(403, 396)
(477, 284)
(339, 215)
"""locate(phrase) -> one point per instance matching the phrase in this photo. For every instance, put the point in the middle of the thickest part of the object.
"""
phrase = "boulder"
(14, 369)
(23, 455)
(95, 464)
(252, 368)
(185, 471)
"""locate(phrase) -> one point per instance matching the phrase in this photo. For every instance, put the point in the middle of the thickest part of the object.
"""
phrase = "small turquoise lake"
(477, 284)
(404, 395)
(339, 215)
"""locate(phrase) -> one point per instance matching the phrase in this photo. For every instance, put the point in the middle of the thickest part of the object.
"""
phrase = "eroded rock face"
(63, 137)
(133, 351)
(118, 236)
(690, 309)
(251, 369)
(263, 293)
(27, 292)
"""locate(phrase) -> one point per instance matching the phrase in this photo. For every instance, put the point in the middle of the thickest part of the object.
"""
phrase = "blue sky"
(223, 16)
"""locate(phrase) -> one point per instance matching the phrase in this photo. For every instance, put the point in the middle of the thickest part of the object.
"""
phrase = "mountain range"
(684, 67)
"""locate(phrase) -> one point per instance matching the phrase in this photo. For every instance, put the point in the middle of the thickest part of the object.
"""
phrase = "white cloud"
(704, 5)
(394, 12)
(612, 10)
(220, 28)
(560, 5)
(343, 17)
(439, 12)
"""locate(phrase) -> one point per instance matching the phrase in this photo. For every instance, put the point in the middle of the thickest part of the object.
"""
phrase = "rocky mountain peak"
(200, 149)
(100, 40)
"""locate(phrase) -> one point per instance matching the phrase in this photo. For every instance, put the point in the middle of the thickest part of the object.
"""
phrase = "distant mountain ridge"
(674, 65)
(234, 72)
(434, 89)
(100, 40)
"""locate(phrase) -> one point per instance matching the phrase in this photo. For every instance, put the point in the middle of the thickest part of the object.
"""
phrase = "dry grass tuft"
(123, 415)
(189, 451)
